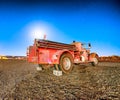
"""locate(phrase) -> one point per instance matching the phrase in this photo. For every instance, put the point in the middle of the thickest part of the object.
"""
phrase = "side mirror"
(73, 41)
(89, 45)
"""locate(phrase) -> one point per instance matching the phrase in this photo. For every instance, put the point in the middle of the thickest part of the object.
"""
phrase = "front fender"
(93, 55)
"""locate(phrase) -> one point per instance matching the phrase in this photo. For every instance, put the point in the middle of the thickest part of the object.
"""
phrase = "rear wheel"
(66, 63)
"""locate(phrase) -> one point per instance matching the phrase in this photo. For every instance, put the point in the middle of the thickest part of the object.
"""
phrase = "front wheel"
(95, 61)
(66, 63)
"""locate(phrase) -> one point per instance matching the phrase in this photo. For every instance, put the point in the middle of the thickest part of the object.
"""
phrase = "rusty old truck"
(61, 56)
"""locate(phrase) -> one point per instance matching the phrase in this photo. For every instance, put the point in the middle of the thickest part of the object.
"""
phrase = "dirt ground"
(19, 80)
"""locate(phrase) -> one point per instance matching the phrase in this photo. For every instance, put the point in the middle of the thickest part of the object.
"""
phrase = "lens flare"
(38, 30)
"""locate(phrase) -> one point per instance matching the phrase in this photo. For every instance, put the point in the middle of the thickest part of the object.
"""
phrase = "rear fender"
(59, 53)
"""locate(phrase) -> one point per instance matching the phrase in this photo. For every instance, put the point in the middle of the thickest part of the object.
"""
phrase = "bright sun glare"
(39, 29)
(38, 32)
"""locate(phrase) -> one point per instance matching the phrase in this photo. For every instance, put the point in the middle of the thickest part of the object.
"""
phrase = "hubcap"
(66, 63)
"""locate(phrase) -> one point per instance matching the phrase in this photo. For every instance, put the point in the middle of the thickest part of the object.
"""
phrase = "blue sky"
(94, 22)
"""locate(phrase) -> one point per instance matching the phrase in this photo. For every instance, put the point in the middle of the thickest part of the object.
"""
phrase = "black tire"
(66, 63)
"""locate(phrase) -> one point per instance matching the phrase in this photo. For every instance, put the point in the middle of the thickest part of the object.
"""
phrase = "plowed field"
(19, 80)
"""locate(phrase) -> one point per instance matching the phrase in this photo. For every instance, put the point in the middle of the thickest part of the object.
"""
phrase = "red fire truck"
(61, 56)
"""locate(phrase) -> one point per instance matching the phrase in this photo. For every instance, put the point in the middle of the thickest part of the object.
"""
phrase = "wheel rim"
(66, 63)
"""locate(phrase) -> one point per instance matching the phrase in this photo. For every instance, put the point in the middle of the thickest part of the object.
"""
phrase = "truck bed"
(54, 45)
